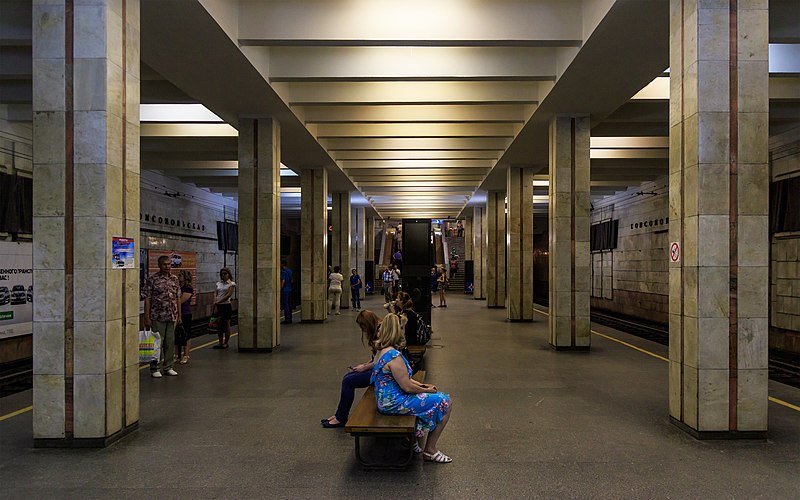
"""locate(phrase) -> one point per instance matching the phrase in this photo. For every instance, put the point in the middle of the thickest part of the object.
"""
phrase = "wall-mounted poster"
(182, 263)
(16, 289)
(122, 253)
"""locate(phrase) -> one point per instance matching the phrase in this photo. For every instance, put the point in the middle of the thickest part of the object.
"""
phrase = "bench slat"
(365, 419)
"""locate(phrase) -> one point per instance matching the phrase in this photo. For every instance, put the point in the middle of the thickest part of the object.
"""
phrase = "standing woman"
(442, 282)
(222, 303)
(187, 292)
(355, 289)
(357, 376)
(335, 289)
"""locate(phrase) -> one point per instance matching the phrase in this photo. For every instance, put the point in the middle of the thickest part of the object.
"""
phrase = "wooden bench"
(366, 421)
(416, 356)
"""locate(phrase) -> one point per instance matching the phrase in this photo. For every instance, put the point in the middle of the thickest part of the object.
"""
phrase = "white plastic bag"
(149, 346)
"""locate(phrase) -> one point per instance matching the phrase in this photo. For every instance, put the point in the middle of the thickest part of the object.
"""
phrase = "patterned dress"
(429, 409)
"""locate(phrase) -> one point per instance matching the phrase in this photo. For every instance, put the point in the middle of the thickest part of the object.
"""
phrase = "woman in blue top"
(398, 394)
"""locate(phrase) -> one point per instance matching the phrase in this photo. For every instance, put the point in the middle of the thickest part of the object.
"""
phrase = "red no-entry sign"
(675, 252)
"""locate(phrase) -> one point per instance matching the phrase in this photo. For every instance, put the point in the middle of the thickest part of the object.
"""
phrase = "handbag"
(181, 335)
(149, 346)
(213, 324)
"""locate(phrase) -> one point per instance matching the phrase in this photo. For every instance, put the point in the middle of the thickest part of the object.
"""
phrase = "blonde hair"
(392, 332)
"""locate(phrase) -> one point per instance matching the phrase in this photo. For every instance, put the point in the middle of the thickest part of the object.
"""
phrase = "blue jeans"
(350, 382)
(286, 304)
(355, 298)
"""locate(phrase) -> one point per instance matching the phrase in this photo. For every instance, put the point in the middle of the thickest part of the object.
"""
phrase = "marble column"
(358, 248)
(314, 245)
(468, 238)
(719, 181)
(479, 252)
(570, 257)
(519, 267)
(86, 191)
(369, 250)
(340, 240)
(496, 249)
(259, 234)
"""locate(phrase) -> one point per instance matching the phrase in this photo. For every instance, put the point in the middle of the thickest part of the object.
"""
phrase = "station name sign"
(662, 221)
(171, 221)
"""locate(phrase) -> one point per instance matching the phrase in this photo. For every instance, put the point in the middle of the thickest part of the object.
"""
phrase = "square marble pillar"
(570, 257)
(86, 191)
(519, 237)
(479, 243)
(340, 240)
(468, 238)
(357, 248)
(314, 244)
(496, 249)
(259, 234)
(719, 179)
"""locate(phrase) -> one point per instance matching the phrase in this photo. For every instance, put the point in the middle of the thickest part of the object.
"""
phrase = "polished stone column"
(468, 238)
(570, 257)
(357, 247)
(340, 240)
(314, 245)
(719, 179)
(86, 191)
(496, 249)
(519, 266)
(479, 252)
(259, 234)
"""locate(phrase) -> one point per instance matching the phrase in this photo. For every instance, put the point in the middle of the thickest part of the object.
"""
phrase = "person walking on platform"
(286, 292)
(389, 279)
(357, 376)
(185, 328)
(441, 281)
(335, 290)
(222, 303)
(162, 312)
(397, 259)
(355, 289)
(460, 229)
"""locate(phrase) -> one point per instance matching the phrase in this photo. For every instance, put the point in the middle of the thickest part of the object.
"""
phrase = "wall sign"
(675, 251)
(16, 289)
(122, 253)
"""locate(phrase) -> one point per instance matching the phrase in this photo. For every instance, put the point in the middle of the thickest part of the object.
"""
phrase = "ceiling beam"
(331, 131)
(410, 165)
(416, 144)
(416, 113)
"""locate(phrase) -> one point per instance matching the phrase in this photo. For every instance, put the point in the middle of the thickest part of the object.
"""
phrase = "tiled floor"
(527, 422)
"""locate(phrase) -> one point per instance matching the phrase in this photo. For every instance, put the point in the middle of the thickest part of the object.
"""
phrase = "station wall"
(633, 279)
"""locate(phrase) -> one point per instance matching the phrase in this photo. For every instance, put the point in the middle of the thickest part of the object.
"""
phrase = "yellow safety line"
(29, 408)
(15, 413)
(662, 358)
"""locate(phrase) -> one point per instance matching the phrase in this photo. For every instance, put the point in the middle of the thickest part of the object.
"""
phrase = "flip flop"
(329, 425)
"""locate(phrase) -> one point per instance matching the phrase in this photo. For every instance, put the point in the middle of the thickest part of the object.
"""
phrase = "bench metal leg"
(384, 466)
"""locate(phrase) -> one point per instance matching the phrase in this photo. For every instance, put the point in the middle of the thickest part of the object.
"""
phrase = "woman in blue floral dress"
(398, 394)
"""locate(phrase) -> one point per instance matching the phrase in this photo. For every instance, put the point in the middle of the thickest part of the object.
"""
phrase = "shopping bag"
(149, 346)
(213, 324)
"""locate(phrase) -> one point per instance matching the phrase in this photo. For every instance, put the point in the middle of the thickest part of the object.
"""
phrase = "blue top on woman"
(429, 409)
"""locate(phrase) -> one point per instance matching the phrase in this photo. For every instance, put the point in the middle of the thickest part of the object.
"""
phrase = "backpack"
(423, 333)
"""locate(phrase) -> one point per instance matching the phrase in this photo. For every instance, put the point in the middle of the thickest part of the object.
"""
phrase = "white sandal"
(437, 457)
(417, 449)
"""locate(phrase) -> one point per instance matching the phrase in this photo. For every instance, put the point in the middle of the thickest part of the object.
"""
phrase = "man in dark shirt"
(286, 292)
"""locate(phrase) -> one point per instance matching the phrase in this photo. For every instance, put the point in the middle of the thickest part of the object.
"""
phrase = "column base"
(496, 307)
(711, 435)
(570, 348)
(259, 349)
(478, 298)
(312, 321)
(85, 442)
(520, 320)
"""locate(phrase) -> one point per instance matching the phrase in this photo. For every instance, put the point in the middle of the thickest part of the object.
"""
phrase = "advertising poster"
(182, 262)
(16, 289)
(122, 253)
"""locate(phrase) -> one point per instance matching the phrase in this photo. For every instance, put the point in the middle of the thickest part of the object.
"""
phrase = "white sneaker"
(156, 374)
(171, 372)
